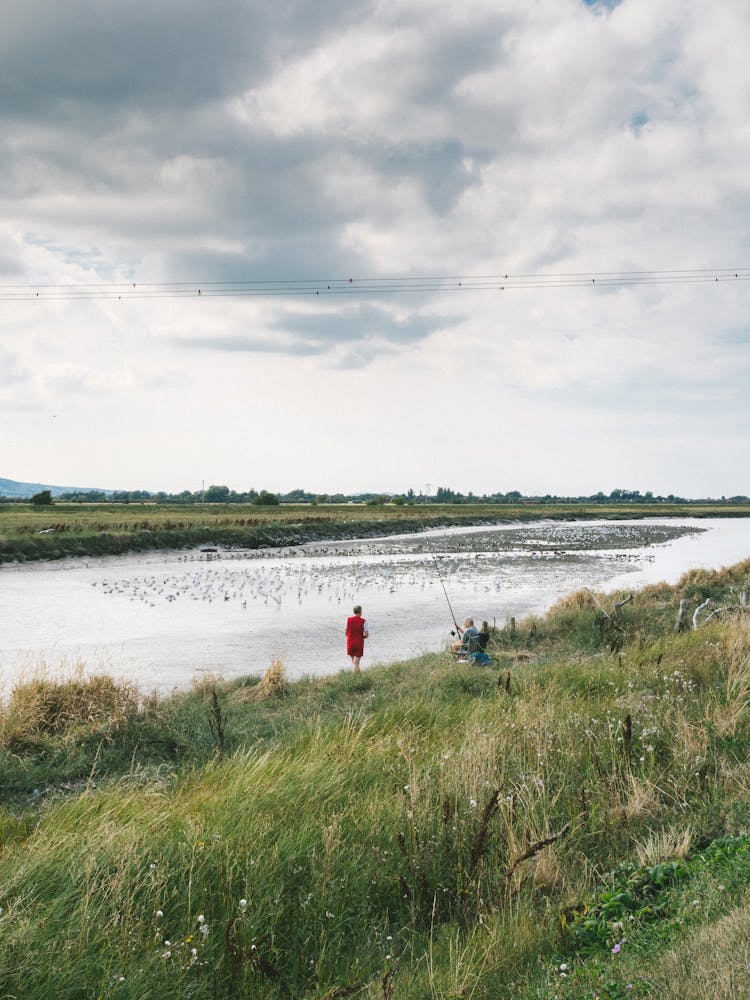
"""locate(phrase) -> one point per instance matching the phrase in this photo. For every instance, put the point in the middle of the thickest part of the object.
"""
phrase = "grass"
(581, 829)
(38, 533)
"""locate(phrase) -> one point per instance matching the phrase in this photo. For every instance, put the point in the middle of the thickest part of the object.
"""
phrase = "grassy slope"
(30, 533)
(416, 831)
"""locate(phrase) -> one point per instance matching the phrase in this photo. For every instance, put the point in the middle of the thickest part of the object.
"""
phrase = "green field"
(574, 823)
(31, 533)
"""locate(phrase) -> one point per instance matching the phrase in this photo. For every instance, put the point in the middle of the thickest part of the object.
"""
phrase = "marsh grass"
(44, 708)
(414, 831)
(30, 533)
(730, 709)
(273, 684)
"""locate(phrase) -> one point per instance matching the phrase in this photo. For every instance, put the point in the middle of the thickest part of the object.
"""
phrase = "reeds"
(42, 707)
(272, 684)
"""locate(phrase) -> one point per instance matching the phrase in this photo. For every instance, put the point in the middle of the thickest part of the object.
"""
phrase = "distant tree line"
(443, 495)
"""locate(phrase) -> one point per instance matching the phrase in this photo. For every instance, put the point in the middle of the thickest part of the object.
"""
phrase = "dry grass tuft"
(207, 683)
(272, 685)
(576, 601)
(665, 846)
(713, 962)
(547, 872)
(641, 799)
(736, 779)
(516, 656)
(41, 708)
(736, 701)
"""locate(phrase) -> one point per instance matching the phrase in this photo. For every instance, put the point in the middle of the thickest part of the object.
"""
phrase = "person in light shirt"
(464, 635)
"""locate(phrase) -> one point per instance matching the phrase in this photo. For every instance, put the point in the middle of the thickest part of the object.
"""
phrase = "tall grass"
(415, 831)
(713, 961)
(34, 533)
(44, 708)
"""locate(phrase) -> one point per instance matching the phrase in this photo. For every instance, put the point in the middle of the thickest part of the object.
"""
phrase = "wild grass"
(64, 709)
(712, 961)
(65, 529)
(418, 830)
(273, 684)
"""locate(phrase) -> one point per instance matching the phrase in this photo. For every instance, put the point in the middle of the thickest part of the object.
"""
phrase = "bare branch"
(480, 841)
(535, 849)
(718, 611)
(698, 611)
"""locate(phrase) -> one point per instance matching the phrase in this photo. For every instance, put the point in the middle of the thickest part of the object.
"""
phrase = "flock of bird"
(242, 579)
(336, 571)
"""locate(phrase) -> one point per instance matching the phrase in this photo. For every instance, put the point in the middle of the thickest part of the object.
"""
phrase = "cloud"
(145, 143)
(350, 337)
(364, 322)
(107, 60)
(12, 372)
(67, 378)
(247, 344)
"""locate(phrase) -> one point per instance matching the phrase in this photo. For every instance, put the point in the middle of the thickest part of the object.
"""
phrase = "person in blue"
(473, 643)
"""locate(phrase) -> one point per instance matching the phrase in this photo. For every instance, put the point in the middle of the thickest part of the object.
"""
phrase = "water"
(164, 618)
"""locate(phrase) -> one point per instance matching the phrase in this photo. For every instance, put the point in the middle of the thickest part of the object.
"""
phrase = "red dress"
(355, 640)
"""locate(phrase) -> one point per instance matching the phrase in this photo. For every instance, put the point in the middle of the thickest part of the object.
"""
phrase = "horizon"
(627, 494)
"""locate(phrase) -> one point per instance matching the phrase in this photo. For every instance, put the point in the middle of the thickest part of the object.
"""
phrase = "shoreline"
(61, 542)
(219, 635)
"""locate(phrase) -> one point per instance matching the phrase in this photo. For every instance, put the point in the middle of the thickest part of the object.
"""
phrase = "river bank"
(63, 531)
(161, 619)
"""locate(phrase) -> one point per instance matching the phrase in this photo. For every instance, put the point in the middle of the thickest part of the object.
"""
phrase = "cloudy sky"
(244, 141)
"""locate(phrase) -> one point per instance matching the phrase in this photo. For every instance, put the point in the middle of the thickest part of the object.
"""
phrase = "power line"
(294, 288)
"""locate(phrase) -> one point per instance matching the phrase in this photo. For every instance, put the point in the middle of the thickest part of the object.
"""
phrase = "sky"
(154, 144)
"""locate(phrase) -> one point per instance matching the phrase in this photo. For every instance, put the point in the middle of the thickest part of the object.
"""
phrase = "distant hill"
(22, 491)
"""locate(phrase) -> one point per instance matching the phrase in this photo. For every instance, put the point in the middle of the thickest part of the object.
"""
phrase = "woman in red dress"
(356, 633)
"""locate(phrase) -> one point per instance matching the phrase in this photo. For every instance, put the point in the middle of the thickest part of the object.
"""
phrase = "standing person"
(356, 633)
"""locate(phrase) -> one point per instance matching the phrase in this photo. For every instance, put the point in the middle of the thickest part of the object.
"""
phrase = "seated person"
(465, 637)
(473, 643)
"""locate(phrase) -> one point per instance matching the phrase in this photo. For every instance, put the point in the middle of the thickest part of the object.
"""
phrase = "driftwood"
(741, 605)
(718, 611)
(610, 626)
(616, 608)
(698, 611)
(681, 624)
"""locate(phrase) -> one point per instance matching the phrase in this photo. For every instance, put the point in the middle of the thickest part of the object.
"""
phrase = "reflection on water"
(161, 618)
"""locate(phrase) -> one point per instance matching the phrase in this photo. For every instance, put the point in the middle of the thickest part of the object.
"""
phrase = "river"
(162, 619)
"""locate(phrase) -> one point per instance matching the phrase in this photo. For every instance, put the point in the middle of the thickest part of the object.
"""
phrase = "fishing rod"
(437, 568)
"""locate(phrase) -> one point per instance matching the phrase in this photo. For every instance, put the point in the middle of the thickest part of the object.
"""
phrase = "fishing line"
(437, 568)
